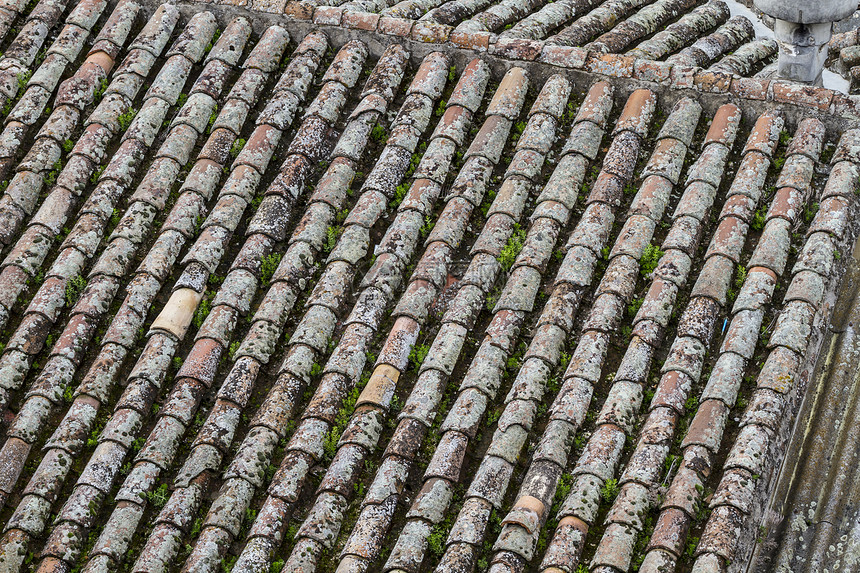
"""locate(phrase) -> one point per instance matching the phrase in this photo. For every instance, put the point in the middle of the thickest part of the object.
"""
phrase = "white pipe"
(831, 80)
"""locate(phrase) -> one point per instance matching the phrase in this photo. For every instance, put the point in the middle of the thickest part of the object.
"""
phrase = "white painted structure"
(803, 28)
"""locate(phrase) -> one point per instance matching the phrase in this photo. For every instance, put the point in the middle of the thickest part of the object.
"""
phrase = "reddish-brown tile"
(682, 76)
(648, 71)
(299, 10)
(712, 82)
(750, 88)
(360, 20)
(517, 48)
(564, 56)
(395, 26)
(328, 15)
(613, 65)
(798, 94)
(479, 41)
(430, 32)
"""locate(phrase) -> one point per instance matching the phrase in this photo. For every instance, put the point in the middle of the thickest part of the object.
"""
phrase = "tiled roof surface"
(273, 301)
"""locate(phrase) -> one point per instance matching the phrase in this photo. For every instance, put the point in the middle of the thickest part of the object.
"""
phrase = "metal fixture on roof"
(803, 29)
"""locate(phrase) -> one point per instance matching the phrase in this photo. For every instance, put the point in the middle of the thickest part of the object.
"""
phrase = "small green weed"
(100, 90)
(237, 147)
(268, 267)
(212, 117)
(126, 118)
(94, 178)
(809, 211)
(157, 497)
(378, 134)
(74, 288)
(650, 258)
(417, 355)
(609, 490)
(331, 236)
(758, 219)
(23, 78)
(512, 248)
(519, 127)
(202, 311)
(633, 306)
(740, 276)
(427, 226)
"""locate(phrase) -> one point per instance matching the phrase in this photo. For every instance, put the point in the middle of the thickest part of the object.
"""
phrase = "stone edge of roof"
(619, 66)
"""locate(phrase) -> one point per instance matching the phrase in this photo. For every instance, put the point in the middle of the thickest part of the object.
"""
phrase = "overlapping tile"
(402, 326)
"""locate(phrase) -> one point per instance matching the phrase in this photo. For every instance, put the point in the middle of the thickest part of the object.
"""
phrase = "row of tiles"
(484, 153)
